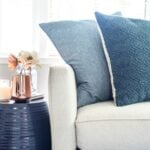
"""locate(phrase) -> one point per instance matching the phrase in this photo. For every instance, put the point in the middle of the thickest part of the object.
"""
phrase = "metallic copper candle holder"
(21, 88)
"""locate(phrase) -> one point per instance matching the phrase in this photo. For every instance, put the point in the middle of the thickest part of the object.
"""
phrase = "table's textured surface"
(24, 126)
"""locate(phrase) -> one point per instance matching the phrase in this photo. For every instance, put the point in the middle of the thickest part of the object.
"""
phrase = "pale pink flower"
(12, 62)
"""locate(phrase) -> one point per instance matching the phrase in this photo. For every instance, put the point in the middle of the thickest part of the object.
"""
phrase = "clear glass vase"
(33, 81)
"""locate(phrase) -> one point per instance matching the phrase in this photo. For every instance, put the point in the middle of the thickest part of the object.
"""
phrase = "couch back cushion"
(79, 44)
(127, 44)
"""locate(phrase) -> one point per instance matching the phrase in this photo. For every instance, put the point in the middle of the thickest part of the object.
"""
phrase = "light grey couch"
(100, 126)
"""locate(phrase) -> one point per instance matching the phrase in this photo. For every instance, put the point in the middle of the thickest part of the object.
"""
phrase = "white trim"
(43, 61)
(40, 14)
(108, 62)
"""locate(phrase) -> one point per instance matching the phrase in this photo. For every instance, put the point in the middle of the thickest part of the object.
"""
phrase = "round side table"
(24, 126)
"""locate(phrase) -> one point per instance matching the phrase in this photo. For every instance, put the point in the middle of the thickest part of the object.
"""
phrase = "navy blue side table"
(25, 126)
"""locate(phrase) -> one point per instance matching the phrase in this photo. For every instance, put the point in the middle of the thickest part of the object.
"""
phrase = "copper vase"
(21, 88)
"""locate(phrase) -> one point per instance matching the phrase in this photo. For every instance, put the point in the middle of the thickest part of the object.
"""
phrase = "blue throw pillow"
(79, 44)
(127, 47)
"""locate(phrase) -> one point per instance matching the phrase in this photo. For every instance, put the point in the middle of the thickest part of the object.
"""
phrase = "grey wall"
(4, 72)
(42, 79)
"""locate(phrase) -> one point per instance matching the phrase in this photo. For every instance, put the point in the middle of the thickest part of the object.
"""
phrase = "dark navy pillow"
(127, 47)
(79, 44)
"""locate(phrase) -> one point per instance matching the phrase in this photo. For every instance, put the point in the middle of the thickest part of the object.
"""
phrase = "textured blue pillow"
(79, 44)
(127, 44)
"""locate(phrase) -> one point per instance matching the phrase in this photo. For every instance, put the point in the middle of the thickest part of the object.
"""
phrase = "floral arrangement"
(24, 61)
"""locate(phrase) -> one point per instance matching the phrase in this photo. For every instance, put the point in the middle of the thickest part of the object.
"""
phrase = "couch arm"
(62, 107)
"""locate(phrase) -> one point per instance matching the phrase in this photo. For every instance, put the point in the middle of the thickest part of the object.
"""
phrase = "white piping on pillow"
(108, 62)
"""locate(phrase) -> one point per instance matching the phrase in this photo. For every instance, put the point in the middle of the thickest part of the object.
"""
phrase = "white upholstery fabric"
(103, 126)
(62, 107)
(100, 126)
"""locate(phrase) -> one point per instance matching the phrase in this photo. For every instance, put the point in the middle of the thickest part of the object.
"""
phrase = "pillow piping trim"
(108, 62)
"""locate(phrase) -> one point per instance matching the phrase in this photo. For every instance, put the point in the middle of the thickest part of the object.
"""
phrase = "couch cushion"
(108, 111)
(105, 126)
(79, 44)
(127, 47)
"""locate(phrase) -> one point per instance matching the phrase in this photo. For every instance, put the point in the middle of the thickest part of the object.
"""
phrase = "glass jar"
(33, 81)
